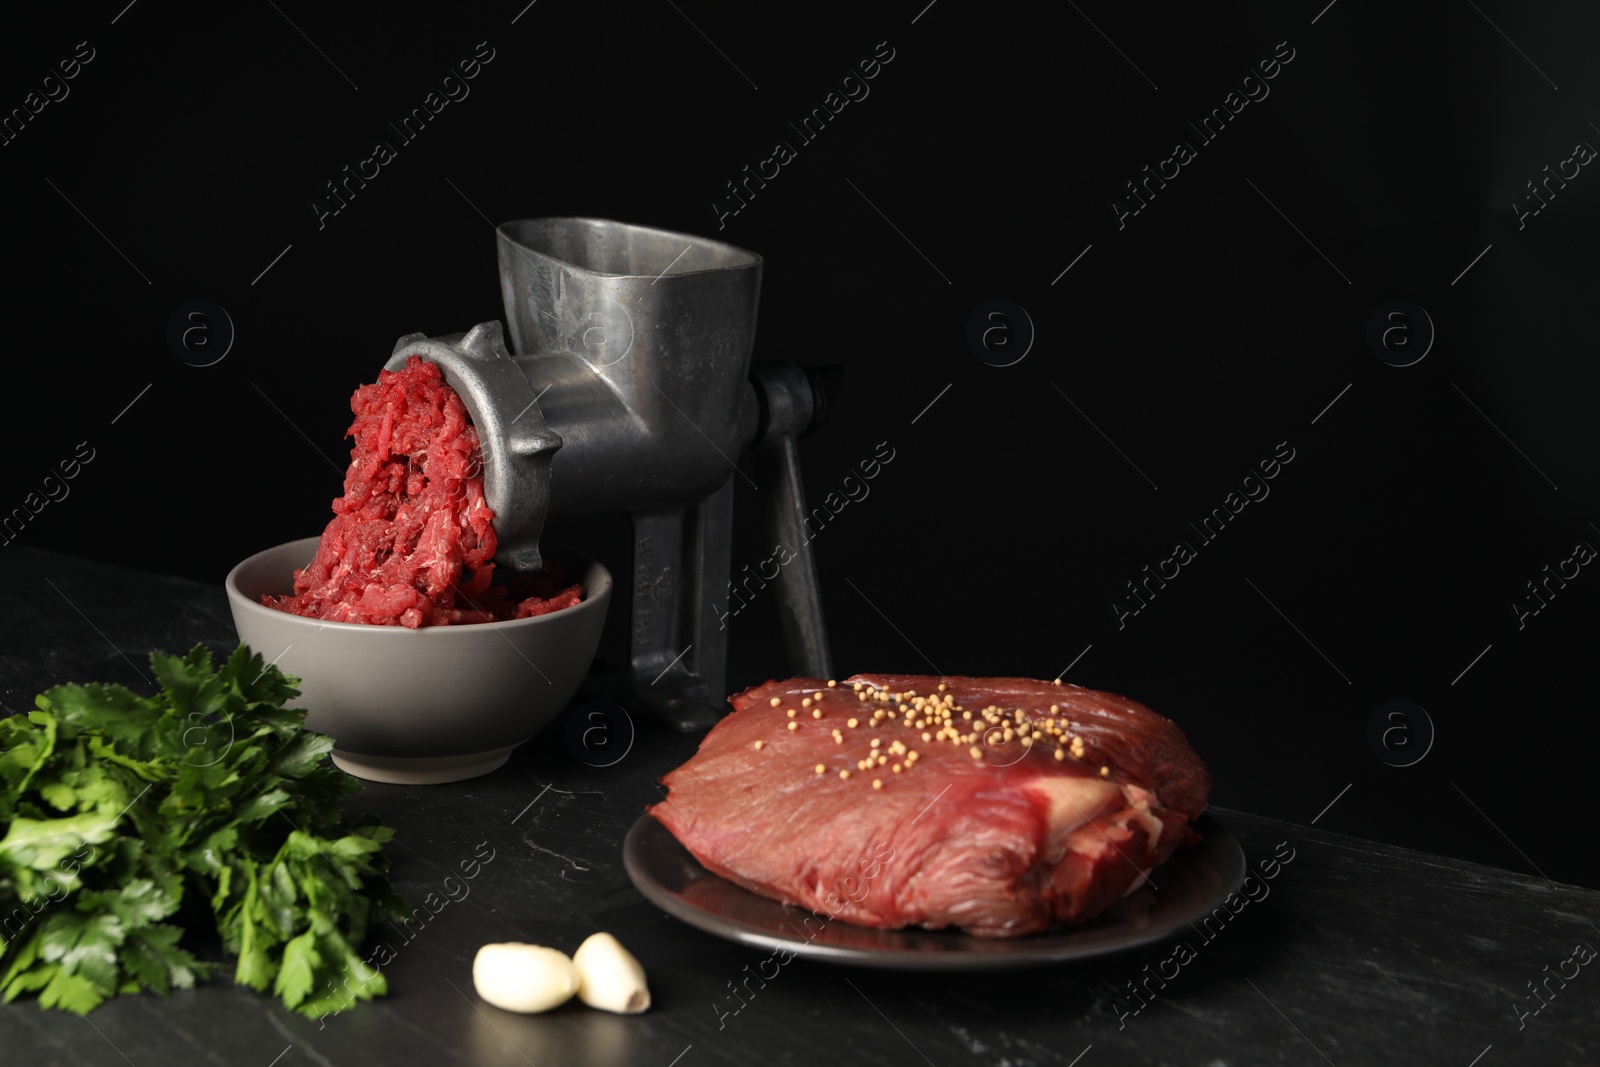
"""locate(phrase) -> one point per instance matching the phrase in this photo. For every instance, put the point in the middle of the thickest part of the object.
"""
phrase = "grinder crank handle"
(793, 402)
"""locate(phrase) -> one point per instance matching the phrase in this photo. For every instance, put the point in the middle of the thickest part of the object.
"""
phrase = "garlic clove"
(526, 978)
(610, 978)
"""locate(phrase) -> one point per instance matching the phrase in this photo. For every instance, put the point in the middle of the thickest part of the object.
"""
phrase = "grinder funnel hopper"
(643, 339)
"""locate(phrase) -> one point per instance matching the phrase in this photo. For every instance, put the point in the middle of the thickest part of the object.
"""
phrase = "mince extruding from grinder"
(413, 536)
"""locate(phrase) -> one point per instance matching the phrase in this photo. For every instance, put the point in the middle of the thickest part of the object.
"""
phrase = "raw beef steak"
(998, 805)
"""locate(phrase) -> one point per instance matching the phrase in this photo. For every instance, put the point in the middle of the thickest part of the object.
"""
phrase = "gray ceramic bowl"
(436, 704)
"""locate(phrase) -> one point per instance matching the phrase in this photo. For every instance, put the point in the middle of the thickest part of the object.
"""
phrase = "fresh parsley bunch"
(123, 816)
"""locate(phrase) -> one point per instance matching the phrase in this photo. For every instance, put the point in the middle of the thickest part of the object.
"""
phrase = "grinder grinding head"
(516, 443)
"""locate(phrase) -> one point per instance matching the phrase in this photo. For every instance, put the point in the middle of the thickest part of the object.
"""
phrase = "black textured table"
(1352, 953)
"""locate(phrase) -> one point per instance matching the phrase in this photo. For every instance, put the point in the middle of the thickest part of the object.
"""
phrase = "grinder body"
(629, 387)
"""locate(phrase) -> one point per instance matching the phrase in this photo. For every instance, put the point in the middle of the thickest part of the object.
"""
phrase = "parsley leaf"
(114, 806)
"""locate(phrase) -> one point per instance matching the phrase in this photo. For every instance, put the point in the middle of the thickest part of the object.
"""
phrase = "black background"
(1221, 320)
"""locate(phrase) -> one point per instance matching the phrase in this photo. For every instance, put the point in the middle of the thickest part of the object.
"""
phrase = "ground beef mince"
(412, 539)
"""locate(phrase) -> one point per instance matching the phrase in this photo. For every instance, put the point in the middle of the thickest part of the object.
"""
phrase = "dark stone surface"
(75, 620)
(1354, 953)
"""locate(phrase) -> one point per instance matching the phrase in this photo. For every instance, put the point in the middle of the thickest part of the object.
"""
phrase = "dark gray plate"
(1191, 883)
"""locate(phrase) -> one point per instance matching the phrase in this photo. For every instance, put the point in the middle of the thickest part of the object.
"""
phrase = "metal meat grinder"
(632, 389)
